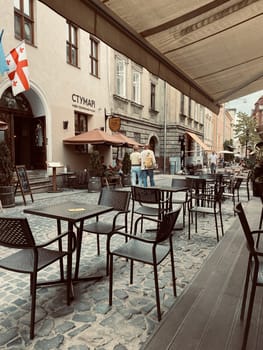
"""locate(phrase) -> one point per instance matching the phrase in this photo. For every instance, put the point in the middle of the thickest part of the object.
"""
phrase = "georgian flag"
(18, 69)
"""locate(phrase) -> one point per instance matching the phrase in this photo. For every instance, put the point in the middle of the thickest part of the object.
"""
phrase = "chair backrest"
(167, 224)
(178, 183)
(246, 229)
(237, 183)
(196, 183)
(16, 233)
(146, 195)
(117, 199)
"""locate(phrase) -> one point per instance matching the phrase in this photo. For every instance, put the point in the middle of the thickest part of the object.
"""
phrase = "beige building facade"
(77, 84)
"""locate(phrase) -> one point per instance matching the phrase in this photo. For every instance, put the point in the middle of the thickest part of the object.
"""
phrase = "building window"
(136, 86)
(153, 96)
(72, 45)
(94, 57)
(189, 107)
(24, 20)
(182, 104)
(81, 123)
(120, 77)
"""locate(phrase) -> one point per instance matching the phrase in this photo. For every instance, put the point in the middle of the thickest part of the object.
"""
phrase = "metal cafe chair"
(206, 202)
(260, 220)
(254, 271)
(150, 203)
(148, 250)
(181, 200)
(119, 200)
(233, 191)
(30, 258)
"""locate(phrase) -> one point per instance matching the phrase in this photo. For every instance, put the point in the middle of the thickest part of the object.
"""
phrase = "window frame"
(120, 77)
(94, 56)
(72, 45)
(136, 86)
(22, 19)
(153, 96)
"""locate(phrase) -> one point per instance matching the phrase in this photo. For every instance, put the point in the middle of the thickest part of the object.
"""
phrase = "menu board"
(23, 182)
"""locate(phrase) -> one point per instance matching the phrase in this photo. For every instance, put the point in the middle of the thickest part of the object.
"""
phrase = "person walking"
(135, 158)
(213, 162)
(148, 164)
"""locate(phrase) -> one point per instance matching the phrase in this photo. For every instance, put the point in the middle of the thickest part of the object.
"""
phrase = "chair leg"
(157, 292)
(110, 278)
(98, 244)
(245, 290)
(33, 304)
(216, 223)
(189, 224)
(260, 226)
(172, 267)
(131, 271)
(221, 220)
(250, 309)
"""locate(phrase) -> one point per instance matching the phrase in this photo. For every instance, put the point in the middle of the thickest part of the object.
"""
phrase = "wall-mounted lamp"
(65, 124)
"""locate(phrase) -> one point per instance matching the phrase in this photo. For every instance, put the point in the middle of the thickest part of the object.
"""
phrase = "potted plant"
(95, 171)
(126, 168)
(7, 192)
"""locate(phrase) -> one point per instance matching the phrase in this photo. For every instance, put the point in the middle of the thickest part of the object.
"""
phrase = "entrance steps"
(39, 181)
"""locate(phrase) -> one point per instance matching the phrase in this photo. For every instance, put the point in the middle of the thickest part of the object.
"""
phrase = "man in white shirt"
(135, 158)
(213, 162)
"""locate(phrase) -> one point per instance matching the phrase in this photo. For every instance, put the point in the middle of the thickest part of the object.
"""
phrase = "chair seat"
(204, 210)
(101, 227)
(22, 261)
(149, 211)
(141, 251)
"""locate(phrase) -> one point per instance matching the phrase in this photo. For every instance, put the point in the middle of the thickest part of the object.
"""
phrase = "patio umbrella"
(3, 125)
(125, 140)
(226, 152)
(93, 137)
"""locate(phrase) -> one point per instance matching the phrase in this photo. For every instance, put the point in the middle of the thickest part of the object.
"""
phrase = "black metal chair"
(233, 191)
(120, 201)
(150, 203)
(184, 198)
(31, 258)
(260, 220)
(254, 271)
(206, 202)
(151, 251)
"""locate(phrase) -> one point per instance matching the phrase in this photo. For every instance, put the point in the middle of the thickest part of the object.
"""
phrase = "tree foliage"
(245, 129)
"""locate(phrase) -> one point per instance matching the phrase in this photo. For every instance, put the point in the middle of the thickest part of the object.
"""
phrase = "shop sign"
(115, 123)
(82, 102)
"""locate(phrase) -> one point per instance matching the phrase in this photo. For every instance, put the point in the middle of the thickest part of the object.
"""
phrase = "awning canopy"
(125, 140)
(210, 50)
(199, 141)
(93, 137)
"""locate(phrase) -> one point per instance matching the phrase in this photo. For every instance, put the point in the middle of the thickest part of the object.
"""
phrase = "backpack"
(148, 161)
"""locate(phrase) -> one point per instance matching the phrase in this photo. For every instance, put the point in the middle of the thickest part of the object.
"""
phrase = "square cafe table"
(74, 214)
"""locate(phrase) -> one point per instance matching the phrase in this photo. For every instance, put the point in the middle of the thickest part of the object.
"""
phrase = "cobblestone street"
(89, 322)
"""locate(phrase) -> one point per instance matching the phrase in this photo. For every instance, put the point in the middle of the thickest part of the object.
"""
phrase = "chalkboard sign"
(23, 182)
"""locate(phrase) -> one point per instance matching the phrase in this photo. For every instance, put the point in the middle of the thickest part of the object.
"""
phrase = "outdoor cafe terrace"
(204, 315)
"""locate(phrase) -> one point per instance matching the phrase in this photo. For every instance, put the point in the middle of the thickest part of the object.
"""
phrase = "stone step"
(39, 181)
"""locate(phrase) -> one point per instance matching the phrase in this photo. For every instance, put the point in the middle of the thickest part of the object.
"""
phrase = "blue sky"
(245, 104)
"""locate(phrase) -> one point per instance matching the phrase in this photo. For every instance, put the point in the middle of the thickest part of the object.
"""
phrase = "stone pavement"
(89, 323)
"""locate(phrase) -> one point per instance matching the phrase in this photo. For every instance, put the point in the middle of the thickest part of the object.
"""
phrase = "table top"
(69, 211)
(171, 189)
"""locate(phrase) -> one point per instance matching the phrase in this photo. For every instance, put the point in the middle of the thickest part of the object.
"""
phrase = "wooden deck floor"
(206, 315)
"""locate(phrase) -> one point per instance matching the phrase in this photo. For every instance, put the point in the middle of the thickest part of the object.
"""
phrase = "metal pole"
(165, 131)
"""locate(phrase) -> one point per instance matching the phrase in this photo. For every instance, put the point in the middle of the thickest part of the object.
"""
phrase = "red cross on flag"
(18, 69)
